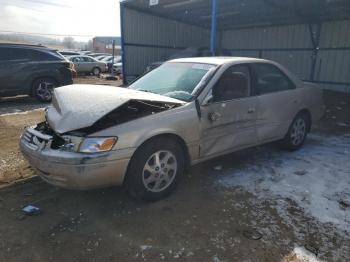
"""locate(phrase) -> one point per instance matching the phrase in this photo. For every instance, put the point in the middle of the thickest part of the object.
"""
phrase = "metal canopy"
(245, 13)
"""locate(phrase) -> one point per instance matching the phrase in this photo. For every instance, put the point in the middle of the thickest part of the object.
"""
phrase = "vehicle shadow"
(17, 104)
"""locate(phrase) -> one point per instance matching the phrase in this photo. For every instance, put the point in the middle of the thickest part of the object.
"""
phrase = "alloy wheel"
(298, 131)
(159, 171)
(44, 90)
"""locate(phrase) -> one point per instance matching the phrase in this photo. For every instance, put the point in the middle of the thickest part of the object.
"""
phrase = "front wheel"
(155, 169)
(297, 132)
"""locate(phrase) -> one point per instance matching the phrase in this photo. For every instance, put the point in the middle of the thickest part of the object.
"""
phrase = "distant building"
(104, 44)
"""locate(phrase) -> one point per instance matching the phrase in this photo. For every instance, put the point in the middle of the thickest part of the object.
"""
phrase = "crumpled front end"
(66, 149)
(62, 166)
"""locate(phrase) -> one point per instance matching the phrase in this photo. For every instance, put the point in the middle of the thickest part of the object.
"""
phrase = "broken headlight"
(97, 144)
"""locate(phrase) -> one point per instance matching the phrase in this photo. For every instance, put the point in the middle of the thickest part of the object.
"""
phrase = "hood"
(79, 106)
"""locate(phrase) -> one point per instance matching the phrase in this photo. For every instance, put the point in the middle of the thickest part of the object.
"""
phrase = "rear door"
(89, 63)
(228, 120)
(13, 69)
(278, 102)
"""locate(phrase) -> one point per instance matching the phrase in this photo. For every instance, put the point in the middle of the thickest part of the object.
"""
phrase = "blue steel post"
(121, 7)
(213, 27)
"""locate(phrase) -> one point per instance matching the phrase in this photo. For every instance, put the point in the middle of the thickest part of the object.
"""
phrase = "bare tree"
(89, 45)
(68, 42)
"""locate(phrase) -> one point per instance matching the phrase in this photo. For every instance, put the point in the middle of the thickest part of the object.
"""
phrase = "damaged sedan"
(182, 113)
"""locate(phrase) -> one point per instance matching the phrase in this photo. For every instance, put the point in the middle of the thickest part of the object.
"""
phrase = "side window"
(13, 54)
(43, 56)
(21, 54)
(270, 79)
(86, 59)
(233, 84)
(6, 54)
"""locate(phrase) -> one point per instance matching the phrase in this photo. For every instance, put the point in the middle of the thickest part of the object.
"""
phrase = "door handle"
(214, 116)
(251, 110)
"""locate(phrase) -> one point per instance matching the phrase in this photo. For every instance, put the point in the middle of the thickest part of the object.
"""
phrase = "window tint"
(5, 53)
(42, 56)
(87, 59)
(270, 79)
(76, 59)
(14, 54)
(233, 84)
(9, 53)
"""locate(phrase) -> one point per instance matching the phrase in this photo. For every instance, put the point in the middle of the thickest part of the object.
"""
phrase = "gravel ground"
(204, 220)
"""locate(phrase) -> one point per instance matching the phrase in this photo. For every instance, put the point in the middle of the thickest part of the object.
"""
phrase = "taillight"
(71, 66)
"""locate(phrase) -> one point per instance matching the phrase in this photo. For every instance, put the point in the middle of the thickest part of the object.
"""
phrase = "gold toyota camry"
(184, 112)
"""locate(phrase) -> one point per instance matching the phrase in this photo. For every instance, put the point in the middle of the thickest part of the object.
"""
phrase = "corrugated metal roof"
(246, 13)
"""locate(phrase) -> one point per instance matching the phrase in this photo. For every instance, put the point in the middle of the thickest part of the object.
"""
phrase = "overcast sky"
(63, 17)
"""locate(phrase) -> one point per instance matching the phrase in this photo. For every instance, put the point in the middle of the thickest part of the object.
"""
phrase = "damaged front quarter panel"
(131, 110)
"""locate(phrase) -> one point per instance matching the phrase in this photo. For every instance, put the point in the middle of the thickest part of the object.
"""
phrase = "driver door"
(229, 118)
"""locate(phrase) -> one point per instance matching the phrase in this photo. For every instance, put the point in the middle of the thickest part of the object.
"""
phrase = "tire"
(297, 132)
(96, 71)
(42, 89)
(149, 181)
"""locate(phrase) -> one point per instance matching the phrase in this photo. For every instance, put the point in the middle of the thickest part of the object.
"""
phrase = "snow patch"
(316, 178)
(304, 256)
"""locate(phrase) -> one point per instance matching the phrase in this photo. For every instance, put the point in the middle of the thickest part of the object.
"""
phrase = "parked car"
(85, 52)
(98, 54)
(32, 70)
(118, 68)
(87, 64)
(182, 113)
(68, 53)
(101, 57)
(109, 60)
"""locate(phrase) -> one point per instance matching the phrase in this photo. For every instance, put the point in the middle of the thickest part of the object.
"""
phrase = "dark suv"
(32, 70)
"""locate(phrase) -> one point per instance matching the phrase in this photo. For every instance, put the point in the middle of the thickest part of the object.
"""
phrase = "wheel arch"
(307, 113)
(32, 81)
(171, 136)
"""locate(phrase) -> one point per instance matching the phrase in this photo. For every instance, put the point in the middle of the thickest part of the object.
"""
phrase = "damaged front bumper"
(73, 170)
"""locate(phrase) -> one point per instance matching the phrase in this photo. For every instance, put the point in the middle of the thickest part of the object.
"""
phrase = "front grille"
(36, 140)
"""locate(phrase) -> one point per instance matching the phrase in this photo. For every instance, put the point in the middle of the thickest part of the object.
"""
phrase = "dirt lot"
(262, 204)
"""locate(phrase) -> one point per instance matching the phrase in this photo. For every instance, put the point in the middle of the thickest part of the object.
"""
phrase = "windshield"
(176, 80)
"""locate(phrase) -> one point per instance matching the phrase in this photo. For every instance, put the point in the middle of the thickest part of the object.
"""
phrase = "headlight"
(97, 144)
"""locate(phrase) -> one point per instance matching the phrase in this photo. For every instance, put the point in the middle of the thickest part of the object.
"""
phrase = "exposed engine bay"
(131, 110)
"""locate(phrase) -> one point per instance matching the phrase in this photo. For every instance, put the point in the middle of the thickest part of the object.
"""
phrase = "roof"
(23, 45)
(246, 13)
(216, 60)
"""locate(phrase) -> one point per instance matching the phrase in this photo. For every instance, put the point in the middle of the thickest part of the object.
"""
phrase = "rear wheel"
(96, 71)
(42, 89)
(155, 169)
(297, 132)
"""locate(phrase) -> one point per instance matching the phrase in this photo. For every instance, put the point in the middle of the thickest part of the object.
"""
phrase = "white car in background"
(87, 64)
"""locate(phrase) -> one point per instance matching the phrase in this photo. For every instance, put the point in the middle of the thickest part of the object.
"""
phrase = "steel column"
(121, 9)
